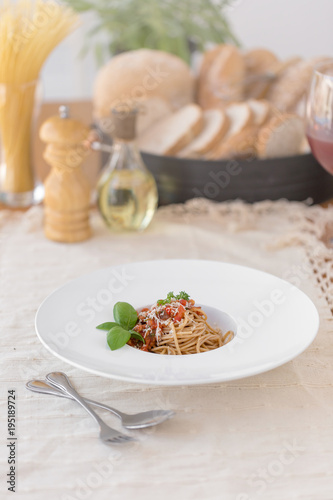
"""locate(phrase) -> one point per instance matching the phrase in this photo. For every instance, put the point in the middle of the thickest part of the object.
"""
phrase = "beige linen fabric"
(265, 437)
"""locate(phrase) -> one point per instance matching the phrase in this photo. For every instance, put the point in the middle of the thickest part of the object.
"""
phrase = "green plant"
(175, 26)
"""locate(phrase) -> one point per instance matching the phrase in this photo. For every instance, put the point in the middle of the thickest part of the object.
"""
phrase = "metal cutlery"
(134, 421)
(106, 434)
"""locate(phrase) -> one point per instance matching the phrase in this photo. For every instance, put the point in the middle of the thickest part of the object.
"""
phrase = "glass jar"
(19, 108)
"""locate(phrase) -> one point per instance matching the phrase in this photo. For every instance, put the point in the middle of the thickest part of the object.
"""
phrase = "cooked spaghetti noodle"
(177, 327)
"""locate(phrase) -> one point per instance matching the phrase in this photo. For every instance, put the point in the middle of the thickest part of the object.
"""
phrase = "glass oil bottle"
(126, 192)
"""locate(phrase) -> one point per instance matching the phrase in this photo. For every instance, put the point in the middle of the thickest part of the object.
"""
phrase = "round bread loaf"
(135, 76)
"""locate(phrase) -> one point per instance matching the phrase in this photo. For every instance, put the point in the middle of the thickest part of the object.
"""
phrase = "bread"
(281, 136)
(259, 60)
(134, 76)
(260, 110)
(240, 118)
(242, 145)
(216, 124)
(172, 133)
(258, 63)
(291, 86)
(304, 146)
(206, 62)
(257, 85)
(150, 111)
(280, 67)
(221, 78)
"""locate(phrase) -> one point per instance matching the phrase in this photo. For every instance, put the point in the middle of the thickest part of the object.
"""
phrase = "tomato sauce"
(151, 322)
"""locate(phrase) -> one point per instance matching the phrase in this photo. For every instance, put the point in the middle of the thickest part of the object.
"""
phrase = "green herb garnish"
(107, 326)
(120, 330)
(171, 295)
(125, 315)
(183, 295)
(137, 336)
(117, 337)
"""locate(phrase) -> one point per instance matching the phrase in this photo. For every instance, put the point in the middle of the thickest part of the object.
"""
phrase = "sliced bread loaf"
(172, 133)
(242, 145)
(240, 117)
(216, 124)
(260, 110)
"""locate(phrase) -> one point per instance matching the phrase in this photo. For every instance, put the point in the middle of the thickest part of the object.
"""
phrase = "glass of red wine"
(320, 114)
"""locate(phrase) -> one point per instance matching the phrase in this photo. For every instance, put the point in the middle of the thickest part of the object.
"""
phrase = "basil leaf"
(125, 315)
(117, 337)
(137, 336)
(107, 326)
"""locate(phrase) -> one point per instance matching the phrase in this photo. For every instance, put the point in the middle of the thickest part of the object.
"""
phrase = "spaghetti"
(177, 326)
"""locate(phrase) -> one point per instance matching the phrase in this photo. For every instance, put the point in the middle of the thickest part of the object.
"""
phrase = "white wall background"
(287, 27)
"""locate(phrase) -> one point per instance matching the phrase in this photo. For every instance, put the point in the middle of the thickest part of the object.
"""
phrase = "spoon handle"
(44, 388)
(61, 381)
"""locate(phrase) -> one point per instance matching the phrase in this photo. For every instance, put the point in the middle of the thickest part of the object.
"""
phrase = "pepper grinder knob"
(63, 111)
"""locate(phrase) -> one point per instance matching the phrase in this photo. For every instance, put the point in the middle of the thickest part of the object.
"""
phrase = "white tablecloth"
(268, 436)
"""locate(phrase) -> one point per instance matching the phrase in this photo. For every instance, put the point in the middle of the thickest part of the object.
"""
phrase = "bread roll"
(222, 78)
(132, 77)
(206, 62)
(258, 63)
(291, 86)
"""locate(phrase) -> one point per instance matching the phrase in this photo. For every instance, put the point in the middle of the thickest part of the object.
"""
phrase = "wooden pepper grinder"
(67, 191)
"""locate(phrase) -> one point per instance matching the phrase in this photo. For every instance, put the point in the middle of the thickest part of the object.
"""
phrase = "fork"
(106, 434)
(134, 421)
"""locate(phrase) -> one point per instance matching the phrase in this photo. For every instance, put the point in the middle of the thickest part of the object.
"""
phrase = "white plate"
(275, 321)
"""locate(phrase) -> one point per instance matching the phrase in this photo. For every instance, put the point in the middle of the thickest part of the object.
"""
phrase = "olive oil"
(126, 192)
(127, 199)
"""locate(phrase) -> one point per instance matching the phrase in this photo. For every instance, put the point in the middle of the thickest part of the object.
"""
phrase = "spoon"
(135, 421)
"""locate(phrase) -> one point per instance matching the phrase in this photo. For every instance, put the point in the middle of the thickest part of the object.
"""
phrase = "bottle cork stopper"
(124, 123)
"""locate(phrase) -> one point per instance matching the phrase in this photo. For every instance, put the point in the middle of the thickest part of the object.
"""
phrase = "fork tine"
(126, 438)
(114, 440)
(119, 438)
